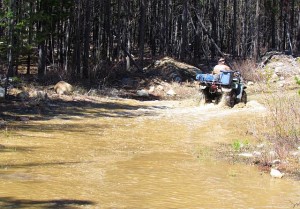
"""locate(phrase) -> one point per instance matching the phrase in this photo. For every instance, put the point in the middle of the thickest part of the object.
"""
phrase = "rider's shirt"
(220, 67)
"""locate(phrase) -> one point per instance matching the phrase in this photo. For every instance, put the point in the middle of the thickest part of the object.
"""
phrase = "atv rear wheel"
(203, 96)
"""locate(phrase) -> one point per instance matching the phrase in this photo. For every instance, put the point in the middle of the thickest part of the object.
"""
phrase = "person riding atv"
(221, 66)
(223, 82)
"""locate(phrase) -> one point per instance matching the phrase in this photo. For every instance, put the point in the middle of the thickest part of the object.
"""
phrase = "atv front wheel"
(231, 99)
(244, 97)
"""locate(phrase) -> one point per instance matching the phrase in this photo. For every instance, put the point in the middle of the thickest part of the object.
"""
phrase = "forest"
(86, 39)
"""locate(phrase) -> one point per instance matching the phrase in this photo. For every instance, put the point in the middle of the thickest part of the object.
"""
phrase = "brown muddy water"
(130, 154)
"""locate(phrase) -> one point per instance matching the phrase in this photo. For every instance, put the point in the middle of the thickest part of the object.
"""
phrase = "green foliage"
(16, 79)
(298, 82)
(33, 22)
(237, 145)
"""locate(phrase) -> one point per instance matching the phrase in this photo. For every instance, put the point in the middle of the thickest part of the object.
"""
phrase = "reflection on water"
(141, 161)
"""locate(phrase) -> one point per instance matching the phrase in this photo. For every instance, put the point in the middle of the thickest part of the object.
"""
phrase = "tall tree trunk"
(142, 31)
(245, 29)
(213, 20)
(197, 38)
(119, 22)
(256, 44)
(29, 40)
(17, 34)
(162, 25)
(184, 31)
(298, 35)
(67, 46)
(234, 32)
(127, 43)
(168, 25)
(42, 59)
(284, 25)
(86, 42)
(106, 27)
(153, 27)
(281, 27)
(10, 55)
(77, 51)
(1, 28)
(224, 20)
(10, 52)
(42, 43)
(273, 24)
(128, 64)
(292, 20)
(287, 26)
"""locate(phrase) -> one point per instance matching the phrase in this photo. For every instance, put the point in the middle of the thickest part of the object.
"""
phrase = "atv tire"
(218, 99)
(244, 97)
(231, 99)
(203, 97)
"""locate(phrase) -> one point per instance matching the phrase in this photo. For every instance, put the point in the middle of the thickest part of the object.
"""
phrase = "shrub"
(248, 69)
(282, 124)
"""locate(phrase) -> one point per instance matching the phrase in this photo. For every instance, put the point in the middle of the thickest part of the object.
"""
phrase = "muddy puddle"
(129, 154)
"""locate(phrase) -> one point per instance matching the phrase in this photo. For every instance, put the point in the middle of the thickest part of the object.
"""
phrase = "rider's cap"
(221, 60)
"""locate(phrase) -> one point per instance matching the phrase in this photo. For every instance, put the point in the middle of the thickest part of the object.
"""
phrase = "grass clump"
(238, 145)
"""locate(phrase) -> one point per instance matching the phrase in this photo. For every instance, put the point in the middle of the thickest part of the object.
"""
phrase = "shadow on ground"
(10, 202)
(17, 110)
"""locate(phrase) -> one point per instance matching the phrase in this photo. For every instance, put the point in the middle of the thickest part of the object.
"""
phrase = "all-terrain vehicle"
(227, 86)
